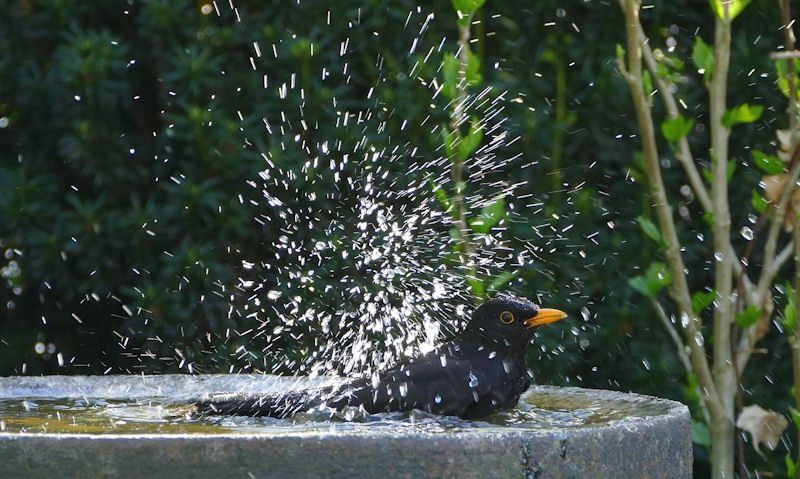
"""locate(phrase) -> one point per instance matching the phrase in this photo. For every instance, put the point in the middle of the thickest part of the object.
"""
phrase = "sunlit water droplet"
(698, 338)
(273, 295)
(747, 233)
(473, 381)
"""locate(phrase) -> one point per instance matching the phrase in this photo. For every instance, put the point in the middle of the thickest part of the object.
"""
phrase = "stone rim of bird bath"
(654, 445)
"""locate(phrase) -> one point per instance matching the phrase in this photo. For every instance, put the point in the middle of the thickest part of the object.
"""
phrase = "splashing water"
(388, 241)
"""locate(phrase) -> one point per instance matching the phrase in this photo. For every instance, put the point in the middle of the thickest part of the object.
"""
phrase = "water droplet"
(437, 399)
(492, 355)
(473, 381)
(273, 295)
(698, 338)
(507, 366)
(403, 389)
(684, 320)
(747, 233)
(443, 360)
(719, 256)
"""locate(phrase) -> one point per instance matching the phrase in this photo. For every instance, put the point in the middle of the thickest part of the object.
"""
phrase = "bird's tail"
(273, 405)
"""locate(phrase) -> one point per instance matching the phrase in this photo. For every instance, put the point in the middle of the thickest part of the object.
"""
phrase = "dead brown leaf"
(764, 426)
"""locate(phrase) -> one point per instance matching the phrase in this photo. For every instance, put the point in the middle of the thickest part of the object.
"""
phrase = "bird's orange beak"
(545, 316)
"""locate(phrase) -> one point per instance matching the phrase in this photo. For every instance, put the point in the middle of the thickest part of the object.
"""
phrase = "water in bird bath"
(120, 406)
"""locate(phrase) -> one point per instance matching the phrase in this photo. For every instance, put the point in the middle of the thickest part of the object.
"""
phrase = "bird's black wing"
(447, 386)
(279, 405)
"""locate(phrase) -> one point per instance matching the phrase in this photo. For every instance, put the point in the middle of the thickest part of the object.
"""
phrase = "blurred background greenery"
(125, 209)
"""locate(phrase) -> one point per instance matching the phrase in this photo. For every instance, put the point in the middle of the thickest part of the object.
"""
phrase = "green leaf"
(730, 170)
(472, 141)
(620, 52)
(789, 311)
(639, 283)
(744, 113)
(477, 287)
(448, 139)
(450, 73)
(769, 164)
(735, 7)
(702, 299)
(654, 280)
(501, 280)
(467, 8)
(759, 202)
(795, 417)
(647, 82)
(676, 128)
(783, 77)
(473, 72)
(700, 434)
(703, 57)
(791, 466)
(489, 216)
(649, 228)
(748, 317)
(441, 195)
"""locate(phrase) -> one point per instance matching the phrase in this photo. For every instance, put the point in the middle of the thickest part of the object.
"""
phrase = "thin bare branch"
(680, 345)
(683, 152)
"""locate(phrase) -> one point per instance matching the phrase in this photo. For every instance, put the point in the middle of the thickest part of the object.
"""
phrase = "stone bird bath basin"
(142, 426)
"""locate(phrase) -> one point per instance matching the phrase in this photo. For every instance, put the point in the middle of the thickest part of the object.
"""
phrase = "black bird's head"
(511, 319)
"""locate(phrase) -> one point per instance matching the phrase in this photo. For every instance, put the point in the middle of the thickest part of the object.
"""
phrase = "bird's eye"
(507, 317)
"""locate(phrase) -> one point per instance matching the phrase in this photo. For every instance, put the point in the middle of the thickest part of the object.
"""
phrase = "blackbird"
(480, 371)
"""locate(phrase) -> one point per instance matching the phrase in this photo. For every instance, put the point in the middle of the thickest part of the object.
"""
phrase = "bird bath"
(137, 426)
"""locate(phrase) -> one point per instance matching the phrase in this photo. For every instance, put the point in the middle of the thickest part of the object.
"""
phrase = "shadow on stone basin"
(132, 426)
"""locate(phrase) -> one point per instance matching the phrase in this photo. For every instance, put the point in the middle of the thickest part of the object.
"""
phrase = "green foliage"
(733, 7)
(790, 310)
(450, 72)
(702, 299)
(466, 9)
(748, 317)
(791, 466)
(744, 113)
(783, 75)
(769, 164)
(650, 229)
(490, 215)
(729, 171)
(647, 81)
(758, 202)
(703, 57)
(654, 280)
(472, 140)
(619, 52)
(676, 128)
(700, 434)
(473, 71)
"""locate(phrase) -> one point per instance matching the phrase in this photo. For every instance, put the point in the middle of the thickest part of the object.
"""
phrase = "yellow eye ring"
(507, 317)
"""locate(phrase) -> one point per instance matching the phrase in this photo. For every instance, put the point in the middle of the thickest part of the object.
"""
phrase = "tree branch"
(680, 291)
(680, 346)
